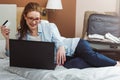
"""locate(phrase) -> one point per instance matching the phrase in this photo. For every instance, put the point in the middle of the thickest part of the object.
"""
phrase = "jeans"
(85, 57)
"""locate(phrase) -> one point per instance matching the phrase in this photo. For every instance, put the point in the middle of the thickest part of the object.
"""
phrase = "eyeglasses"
(33, 19)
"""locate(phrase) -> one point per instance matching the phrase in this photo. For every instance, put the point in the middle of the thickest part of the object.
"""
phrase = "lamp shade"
(54, 4)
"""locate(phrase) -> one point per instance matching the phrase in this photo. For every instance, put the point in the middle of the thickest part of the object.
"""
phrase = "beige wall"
(92, 5)
(65, 18)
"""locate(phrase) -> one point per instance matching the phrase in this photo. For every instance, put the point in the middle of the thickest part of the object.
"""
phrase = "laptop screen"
(32, 54)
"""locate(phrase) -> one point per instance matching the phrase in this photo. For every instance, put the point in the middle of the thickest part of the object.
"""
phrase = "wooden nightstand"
(109, 49)
(111, 54)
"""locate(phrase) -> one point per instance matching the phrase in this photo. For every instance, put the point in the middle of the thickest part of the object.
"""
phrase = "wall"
(5, 14)
(64, 19)
(92, 5)
(21, 3)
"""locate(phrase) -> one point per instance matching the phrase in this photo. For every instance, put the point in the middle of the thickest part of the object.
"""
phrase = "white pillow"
(2, 49)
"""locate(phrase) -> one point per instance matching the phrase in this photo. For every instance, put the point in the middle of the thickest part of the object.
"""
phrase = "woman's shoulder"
(46, 24)
(44, 21)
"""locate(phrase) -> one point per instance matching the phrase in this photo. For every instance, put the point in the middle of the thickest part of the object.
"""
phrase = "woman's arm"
(5, 32)
(61, 56)
(61, 53)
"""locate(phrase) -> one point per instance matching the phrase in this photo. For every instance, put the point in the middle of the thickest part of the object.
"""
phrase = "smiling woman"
(20, 10)
(33, 19)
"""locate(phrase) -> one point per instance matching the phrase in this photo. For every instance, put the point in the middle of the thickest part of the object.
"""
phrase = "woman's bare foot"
(118, 63)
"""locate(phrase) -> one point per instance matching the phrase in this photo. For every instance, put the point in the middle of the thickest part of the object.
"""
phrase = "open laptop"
(31, 54)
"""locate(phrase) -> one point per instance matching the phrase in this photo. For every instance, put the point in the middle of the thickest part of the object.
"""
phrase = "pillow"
(2, 49)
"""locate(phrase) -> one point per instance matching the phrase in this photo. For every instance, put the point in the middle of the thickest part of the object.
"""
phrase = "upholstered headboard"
(8, 12)
(20, 10)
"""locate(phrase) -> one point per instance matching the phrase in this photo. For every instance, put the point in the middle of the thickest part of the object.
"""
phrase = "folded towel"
(95, 36)
(107, 37)
(112, 37)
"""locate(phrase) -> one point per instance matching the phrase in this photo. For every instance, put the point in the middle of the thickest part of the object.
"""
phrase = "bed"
(60, 72)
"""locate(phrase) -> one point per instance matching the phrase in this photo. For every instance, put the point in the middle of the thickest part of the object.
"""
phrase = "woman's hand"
(5, 32)
(61, 56)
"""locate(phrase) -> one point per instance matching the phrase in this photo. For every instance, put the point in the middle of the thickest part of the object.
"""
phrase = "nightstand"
(108, 49)
(111, 54)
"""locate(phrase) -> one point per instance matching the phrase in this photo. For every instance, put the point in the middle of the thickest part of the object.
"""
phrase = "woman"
(70, 52)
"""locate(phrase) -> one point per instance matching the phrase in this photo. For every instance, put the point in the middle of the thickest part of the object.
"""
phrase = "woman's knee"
(83, 45)
(76, 63)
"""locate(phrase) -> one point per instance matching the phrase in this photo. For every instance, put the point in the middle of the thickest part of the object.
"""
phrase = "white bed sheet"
(60, 73)
(6, 75)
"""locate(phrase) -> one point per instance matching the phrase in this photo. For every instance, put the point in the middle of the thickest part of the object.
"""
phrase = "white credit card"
(6, 23)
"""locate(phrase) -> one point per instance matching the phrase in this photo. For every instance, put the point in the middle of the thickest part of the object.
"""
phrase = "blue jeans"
(85, 57)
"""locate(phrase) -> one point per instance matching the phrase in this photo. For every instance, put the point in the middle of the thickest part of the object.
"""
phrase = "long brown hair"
(31, 6)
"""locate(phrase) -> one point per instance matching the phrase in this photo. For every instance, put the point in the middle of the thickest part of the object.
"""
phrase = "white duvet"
(6, 75)
(60, 73)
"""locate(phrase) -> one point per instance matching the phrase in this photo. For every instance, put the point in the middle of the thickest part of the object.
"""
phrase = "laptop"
(31, 54)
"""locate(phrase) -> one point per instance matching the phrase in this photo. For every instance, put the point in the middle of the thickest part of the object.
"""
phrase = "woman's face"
(32, 19)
